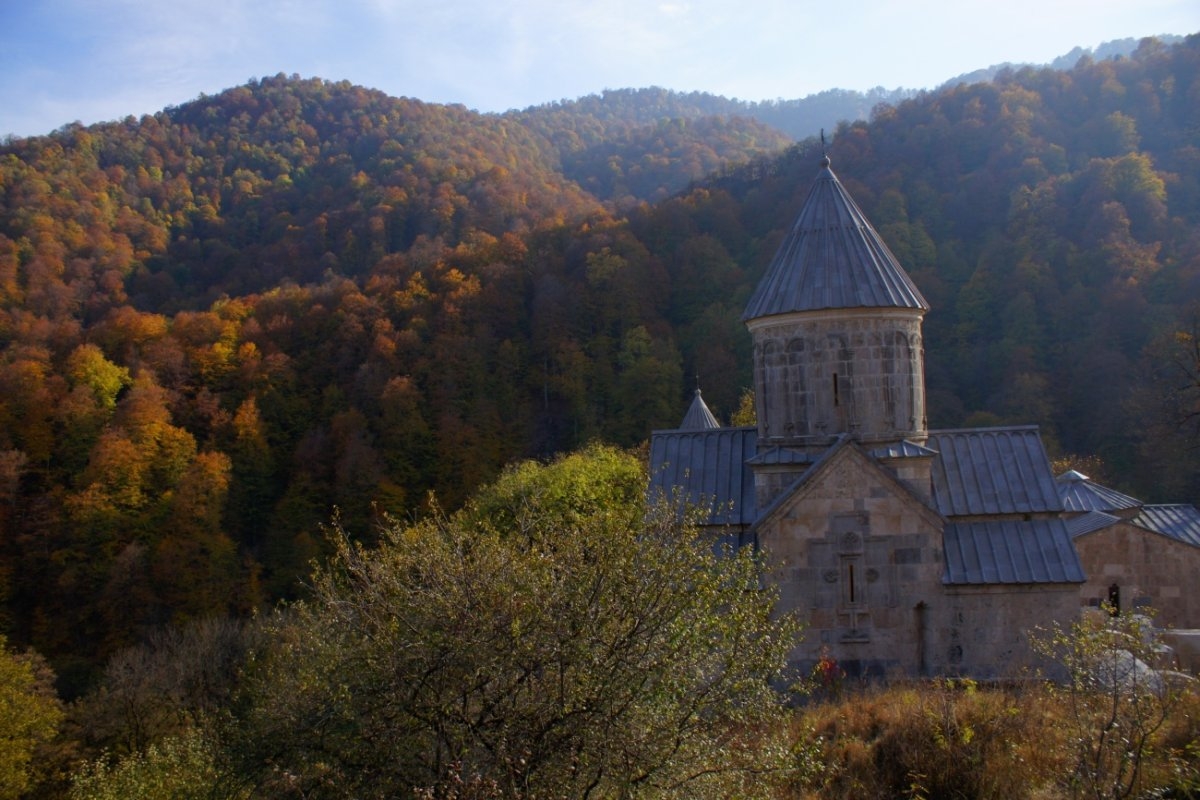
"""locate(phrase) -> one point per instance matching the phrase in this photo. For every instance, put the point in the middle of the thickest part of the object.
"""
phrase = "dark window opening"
(835, 390)
(853, 589)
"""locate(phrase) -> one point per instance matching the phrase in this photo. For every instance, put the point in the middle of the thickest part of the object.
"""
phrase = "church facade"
(905, 551)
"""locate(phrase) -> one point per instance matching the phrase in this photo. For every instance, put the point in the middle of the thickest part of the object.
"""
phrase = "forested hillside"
(225, 321)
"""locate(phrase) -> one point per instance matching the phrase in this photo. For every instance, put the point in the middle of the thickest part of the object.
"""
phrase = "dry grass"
(954, 740)
(1177, 761)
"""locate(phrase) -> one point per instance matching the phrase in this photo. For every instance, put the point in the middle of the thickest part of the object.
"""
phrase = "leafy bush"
(584, 646)
(178, 768)
(30, 715)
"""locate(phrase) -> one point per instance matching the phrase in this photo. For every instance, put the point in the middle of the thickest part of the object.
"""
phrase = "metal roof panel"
(1090, 522)
(1080, 493)
(698, 416)
(1179, 521)
(992, 471)
(775, 456)
(1010, 551)
(706, 468)
(902, 449)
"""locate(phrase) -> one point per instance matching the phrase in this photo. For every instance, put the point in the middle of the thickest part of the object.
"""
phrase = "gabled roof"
(976, 472)
(698, 417)
(1078, 492)
(844, 447)
(707, 466)
(1010, 551)
(832, 258)
(1090, 522)
(1178, 521)
(992, 471)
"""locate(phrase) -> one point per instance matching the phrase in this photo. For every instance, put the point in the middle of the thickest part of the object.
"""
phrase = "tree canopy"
(579, 644)
(30, 714)
(220, 322)
(558, 637)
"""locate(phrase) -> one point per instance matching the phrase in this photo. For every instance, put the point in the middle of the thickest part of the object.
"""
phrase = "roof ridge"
(1025, 427)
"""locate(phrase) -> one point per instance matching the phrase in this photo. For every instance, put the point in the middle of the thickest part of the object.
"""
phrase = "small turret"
(698, 417)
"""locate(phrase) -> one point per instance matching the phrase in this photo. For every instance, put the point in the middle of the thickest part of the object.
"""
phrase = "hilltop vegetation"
(222, 321)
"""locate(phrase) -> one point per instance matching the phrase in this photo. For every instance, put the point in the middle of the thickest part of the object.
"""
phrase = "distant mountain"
(635, 144)
(1117, 48)
(798, 118)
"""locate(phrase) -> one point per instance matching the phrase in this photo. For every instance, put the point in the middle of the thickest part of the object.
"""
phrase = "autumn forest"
(226, 323)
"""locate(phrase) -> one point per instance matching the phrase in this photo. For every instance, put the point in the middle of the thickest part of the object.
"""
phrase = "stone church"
(906, 551)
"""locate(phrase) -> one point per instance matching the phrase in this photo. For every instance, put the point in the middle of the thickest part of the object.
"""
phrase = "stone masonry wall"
(984, 631)
(1152, 571)
(860, 561)
(817, 376)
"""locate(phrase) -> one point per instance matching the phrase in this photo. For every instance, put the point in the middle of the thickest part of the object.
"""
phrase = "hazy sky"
(94, 60)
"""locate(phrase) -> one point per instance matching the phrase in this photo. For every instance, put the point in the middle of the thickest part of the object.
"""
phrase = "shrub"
(30, 715)
(556, 639)
(177, 768)
(1115, 703)
(942, 739)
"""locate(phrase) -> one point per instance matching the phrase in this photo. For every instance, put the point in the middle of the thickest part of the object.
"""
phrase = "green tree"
(30, 714)
(185, 767)
(1167, 399)
(252, 486)
(581, 645)
(88, 367)
(646, 390)
(745, 414)
(535, 500)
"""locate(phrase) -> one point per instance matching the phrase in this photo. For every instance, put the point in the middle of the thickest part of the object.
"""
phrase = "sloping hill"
(220, 322)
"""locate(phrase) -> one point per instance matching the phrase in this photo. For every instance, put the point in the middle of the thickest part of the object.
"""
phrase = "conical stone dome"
(832, 258)
(836, 323)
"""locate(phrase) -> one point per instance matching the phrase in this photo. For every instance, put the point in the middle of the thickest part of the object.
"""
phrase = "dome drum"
(819, 376)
